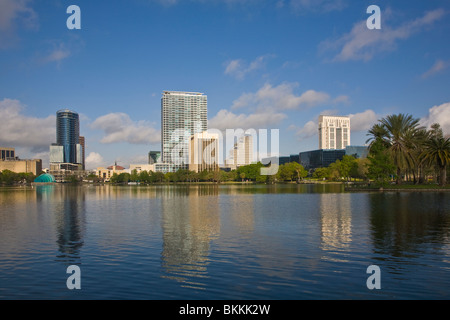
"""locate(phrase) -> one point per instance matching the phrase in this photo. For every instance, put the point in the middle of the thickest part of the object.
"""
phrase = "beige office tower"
(204, 152)
(182, 115)
(334, 132)
(242, 152)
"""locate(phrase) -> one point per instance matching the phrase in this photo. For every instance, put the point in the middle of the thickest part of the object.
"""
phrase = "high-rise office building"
(182, 115)
(67, 152)
(68, 134)
(154, 157)
(83, 151)
(334, 132)
(204, 152)
(242, 152)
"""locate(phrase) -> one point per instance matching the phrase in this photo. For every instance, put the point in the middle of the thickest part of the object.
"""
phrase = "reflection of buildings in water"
(336, 221)
(70, 222)
(18, 220)
(242, 212)
(190, 223)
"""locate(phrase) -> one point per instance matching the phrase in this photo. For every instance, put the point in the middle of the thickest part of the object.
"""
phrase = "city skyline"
(263, 64)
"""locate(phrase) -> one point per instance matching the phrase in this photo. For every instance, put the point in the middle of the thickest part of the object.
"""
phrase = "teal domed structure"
(45, 178)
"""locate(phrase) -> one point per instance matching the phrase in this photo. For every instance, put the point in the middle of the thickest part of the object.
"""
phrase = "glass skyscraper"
(68, 134)
(68, 151)
(182, 115)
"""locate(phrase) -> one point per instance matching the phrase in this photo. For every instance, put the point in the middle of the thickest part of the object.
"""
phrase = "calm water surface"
(223, 242)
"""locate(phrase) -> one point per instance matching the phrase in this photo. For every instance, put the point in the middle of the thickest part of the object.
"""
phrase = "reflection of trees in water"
(405, 225)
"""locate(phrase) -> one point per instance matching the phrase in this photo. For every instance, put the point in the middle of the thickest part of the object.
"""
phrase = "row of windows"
(7, 154)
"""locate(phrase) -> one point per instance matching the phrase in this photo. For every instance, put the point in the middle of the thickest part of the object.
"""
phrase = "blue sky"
(263, 64)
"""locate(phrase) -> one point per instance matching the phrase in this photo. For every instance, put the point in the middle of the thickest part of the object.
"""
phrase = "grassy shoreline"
(403, 188)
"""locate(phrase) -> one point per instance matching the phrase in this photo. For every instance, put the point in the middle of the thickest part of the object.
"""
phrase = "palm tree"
(378, 132)
(436, 131)
(437, 151)
(415, 139)
(398, 127)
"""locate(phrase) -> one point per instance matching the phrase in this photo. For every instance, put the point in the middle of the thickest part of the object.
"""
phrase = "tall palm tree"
(415, 139)
(437, 151)
(398, 127)
(378, 132)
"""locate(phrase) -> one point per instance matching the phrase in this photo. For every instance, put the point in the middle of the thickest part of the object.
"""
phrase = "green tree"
(321, 173)
(120, 178)
(73, 179)
(398, 127)
(134, 175)
(361, 170)
(144, 177)
(395, 133)
(347, 165)
(378, 132)
(156, 177)
(291, 171)
(334, 170)
(437, 151)
(380, 166)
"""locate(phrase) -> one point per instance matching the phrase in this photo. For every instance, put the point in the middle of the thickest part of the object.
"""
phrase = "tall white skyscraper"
(182, 115)
(334, 132)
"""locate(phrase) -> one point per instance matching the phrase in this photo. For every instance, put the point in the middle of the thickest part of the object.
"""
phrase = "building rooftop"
(183, 93)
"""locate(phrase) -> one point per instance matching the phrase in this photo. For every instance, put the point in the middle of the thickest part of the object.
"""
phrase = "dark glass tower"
(68, 134)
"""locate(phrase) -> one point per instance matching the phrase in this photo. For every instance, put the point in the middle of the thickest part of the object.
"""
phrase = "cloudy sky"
(263, 64)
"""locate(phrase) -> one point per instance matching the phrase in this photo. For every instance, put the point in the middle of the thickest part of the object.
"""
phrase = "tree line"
(248, 173)
(8, 177)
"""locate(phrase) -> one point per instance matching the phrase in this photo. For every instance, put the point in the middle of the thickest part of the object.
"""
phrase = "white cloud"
(118, 127)
(238, 68)
(363, 121)
(57, 55)
(363, 44)
(94, 160)
(342, 99)
(225, 119)
(14, 13)
(18, 130)
(309, 130)
(439, 66)
(280, 97)
(438, 114)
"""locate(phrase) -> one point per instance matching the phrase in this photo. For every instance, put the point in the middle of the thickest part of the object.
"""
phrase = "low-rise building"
(33, 166)
(107, 173)
(10, 161)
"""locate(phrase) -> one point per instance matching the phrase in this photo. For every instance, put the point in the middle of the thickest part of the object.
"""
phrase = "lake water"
(278, 242)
